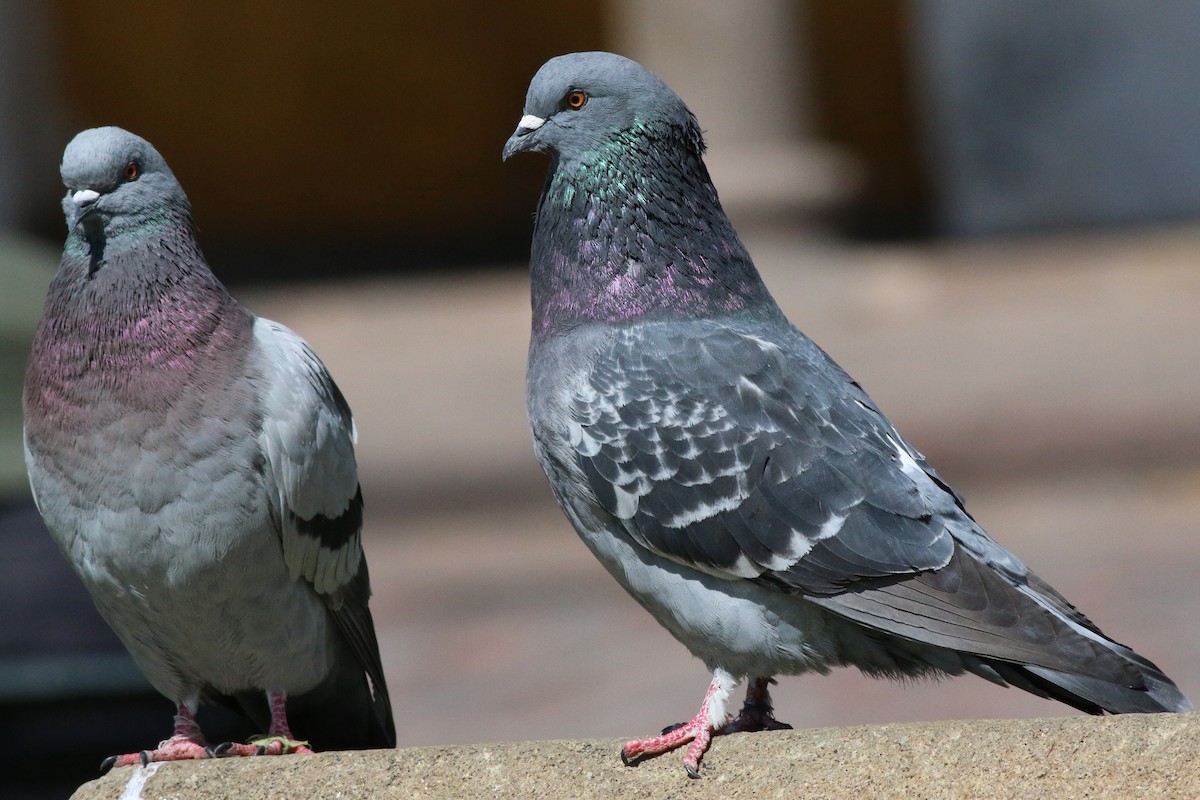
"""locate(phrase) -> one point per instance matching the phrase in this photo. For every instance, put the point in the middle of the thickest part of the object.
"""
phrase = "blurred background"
(988, 212)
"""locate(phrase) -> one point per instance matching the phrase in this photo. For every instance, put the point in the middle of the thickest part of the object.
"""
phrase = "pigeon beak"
(518, 143)
(84, 197)
(79, 204)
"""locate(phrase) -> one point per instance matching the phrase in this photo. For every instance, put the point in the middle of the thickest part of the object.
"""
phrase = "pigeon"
(725, 470)
(195, 465)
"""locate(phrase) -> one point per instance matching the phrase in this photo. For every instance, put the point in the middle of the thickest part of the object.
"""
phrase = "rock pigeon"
(195, 465)
(732, 477)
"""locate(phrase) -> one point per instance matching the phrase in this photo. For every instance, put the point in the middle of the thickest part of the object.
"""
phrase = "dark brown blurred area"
(369, 131)
(863, 94)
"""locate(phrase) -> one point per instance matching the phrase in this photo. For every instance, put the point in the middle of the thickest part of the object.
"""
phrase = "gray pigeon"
(195, 464)
(733, 478)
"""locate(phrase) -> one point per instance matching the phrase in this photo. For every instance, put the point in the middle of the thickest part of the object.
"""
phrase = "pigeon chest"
(141, 447)
(150, 491)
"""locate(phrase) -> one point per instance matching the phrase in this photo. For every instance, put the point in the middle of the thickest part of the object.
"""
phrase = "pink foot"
(277, 742)
(187, 743)
(177, 748)
(699, 731)
(756, 715)
(266, 746)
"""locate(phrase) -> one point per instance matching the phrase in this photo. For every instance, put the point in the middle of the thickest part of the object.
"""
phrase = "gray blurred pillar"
(738, 66)
(30, 144)
(1042, 115)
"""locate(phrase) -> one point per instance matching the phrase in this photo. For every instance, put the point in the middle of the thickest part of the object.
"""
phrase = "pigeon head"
(580, 102)
(117, 183)
(629, 225)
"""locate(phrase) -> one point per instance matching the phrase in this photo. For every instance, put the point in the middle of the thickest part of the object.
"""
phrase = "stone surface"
(1077, 757)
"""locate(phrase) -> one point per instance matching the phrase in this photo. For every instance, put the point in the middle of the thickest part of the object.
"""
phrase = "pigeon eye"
(576, 99)
(132, 170)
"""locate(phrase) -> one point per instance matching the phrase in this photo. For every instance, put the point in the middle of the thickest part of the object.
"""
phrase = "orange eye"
(576, 99)
(132, 170)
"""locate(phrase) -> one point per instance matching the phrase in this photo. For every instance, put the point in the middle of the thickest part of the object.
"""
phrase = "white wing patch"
(829, 528)
(908, 465)
(702, 511)
(627, 503)
(801, 544)
(743, 567)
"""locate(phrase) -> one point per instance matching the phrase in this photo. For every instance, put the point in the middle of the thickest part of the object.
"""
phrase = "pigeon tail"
(1096, 696)
(343, 712)
(1013, 635)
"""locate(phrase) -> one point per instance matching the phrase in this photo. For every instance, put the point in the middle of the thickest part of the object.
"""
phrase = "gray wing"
(761, 460)
(308, 438)
(719, 449)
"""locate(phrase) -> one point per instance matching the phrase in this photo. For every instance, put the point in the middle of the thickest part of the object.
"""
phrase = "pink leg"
(757, 713)
(278, 741)
(699, 731)
(187, 742)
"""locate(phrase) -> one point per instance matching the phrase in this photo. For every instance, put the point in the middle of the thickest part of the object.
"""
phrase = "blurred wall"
(744, 70)
(1049, 115)
(315, 138)
(1010, 116)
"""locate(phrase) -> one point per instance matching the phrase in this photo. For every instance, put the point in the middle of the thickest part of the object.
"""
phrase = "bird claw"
(755, 717)
(263, 746)
(177, 748)
(692, 767)
(126, 760)
(279, 745)
(696, 751)
(633, 760)
(236, 750)
(697, 731)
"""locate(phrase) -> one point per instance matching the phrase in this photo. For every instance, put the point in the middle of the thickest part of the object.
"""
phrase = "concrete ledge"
(1112, 757)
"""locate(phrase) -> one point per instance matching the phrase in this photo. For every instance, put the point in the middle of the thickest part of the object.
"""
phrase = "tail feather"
(344, 713)
(1088, 694)
(1096, 696)
(341, 713)
(1019, 634)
